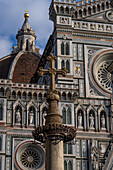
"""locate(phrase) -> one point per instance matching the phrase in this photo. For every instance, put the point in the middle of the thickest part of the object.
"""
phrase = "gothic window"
(61, 9)
(80, 119)
(69, 96)
(68, 116)
(13, 95)
(68, 165)
(63, 96)
(91, 119)
(1, 91)
(64, 115)
(62, 64)
(72, 10)
(62, 48)
(89, 10)
(34, 96)
(31, 116)
(45, 96)
(67, 10)
(98, 7)
(19, 95)
(68, 66)
(29, 96)
(8, 92)
(67, 148)
(40, 96)
(27, 45)
(74, 96)
(57, 9)
(107, 5)
(80, 13)
(103, 6)
(76, 14)
(103, 122)
(1, 112)
(18, 114)
(94, 9)
(84, 11)
(24, 95)
(67, 48)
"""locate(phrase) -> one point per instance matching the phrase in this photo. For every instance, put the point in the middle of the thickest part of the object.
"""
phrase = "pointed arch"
(19, 95)
(13, 95)
(68, 116)
(68, 66)
(76, 14)
(89, 10)
(24, 95)
(62, 48)
(32, 115)
(63, 96)
(67, 48)
(67, 10)
(94, 9)
(64, 115)
(29, 96)
(1, 91)
(8, 92)
(98, 7)
(40, 96)
(35, 96)
(80, 13)
(69, 96)
(62, 10)
(103, 6)
(62, 64)
(84, 11)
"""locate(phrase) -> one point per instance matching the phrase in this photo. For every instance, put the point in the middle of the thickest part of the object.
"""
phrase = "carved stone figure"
(31, 117)
(80, 120)
(43, 119)
(18, 116)
(103, 122)
(91, 121)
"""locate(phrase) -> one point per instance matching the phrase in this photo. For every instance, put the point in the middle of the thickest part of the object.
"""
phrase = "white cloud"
(11, 18)
(5, 46)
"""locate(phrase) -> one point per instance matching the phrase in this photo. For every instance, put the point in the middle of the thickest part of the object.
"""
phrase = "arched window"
(69, 96)
(24, 95)
(40, 96)
(18, 114)
(68, 66)
(67, 10)
(72, 10)
(31, 116)
(64, 115)
(103, 6)
(68, 116)
(67, 48)
(13, 95)
(94, 9)
(91, 119)
(62, 64)
(29, 96)
(62, 48)
(8, 92)
(98, 7)
(80, 13)
(70, 165)
(67, 148)
(27, 45)
(19, 95)
(107, 5)
(76, 14)
(34, 96)
(1, 112)
(61, 9)
(63, 96)
(74, 95)
(89, 10)
(57, 9)
(84, 11)
(2, 91)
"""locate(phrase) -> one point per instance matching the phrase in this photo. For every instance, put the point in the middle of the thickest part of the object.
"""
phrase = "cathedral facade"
(83, 43)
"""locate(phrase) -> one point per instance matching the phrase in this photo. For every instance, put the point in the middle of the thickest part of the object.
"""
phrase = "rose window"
(30, 158)
(104, 77)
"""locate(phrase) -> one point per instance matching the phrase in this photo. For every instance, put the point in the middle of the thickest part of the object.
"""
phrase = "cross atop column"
(52, 71)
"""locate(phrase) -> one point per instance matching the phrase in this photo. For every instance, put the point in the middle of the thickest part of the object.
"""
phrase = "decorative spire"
(26, 15)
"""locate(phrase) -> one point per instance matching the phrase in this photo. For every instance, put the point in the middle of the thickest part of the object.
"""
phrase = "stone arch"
(8, 92)
(94, 9)
(84, 11)
(29, 96)
(80, 13)
(62, 64)
(103, 6)
(19, 95)
(67, 10)
(89, 10)
(24, 95)
(13, 95)
(40, 96)
(98, 7)
(69, 96)
(72, 10)
(68, 66)
(34, 96)
(62, 48)
(63, 97)
(76, 14)
(62, 10)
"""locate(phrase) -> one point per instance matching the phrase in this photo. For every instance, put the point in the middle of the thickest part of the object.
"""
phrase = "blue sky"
(12, 18)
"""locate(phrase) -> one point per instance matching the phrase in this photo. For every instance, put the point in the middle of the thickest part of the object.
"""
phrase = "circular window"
(29, 156)
(100, 76)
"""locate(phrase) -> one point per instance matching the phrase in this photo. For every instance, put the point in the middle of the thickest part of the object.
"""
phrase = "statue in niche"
(18, 116)
(31, 117)
(91, 121)
(103, 122)
(43, 117)
(80, 120)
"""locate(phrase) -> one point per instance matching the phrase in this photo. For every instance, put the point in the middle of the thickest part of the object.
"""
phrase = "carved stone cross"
(52, 71)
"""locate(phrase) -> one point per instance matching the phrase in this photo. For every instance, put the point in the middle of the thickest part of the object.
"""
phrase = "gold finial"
(26, 15)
